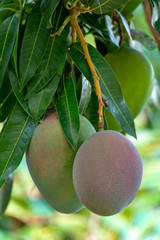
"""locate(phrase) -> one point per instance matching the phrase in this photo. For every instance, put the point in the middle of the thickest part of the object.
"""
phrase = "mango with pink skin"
(50, 161)
(107, 172)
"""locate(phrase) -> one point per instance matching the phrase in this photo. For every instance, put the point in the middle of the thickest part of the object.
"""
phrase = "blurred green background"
(29, 217)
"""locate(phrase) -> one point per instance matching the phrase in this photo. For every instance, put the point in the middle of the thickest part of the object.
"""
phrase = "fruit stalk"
(75, 25)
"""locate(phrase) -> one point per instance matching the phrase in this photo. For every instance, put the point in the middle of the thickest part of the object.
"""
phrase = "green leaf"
(19, 95)
(8, 31)
(93, 21)
(67, 109)
(85, 95)
(77, 55)
(101, 26)
(59, 16)
(105, 22)
(34, 44)
(55, 56)
(39, 102)
(7, 98)
(126, 26)
(14, 139)
(5, 194)
(15, 54)
(128, 8)
(105, 6)
(48, 7)
(109, 84)
(8, 8)
(5, 13)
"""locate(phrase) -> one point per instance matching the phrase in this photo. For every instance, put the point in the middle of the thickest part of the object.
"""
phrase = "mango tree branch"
(74, 24)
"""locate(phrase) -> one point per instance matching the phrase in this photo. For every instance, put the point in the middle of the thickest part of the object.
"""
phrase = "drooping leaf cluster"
(36, 75)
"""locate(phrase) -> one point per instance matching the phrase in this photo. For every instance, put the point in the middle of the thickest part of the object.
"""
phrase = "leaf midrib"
(108, 91)
(6, 39)
(65, 93)
(13, 149)
(112, 99)
(33, 47)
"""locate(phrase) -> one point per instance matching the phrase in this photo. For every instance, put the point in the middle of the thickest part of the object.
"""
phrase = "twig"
(75, 24)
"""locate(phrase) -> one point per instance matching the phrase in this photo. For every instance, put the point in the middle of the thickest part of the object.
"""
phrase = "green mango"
(154, 57)
(50, 160)
(135, 73)
(136, 76)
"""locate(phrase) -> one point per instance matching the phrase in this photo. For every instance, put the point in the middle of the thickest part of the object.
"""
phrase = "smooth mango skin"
(154, 57)
(5, 194)
(136, 76)
(107, 172)
(50, 161)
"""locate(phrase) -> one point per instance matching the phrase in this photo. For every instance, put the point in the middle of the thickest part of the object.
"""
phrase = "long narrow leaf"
(7, 98)
(39, 102)
(48, 7)
(101, 26)
(14, 140)
(19, 95)
(67, 108)
(34, 44)
(128, 8)
(112, 90)
(125, 24)
(105, 6)
(15, 54)
(110, 86)
(8, 31)
(5, 194)
(54, 57)
(77, 55)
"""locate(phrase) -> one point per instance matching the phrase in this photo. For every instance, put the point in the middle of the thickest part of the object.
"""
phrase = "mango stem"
(75, 25)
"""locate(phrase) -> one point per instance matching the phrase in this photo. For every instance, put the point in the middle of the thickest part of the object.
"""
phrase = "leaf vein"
(112, 99)
(33, 47)
(14, 147)
(65, 92)
(5, 41)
